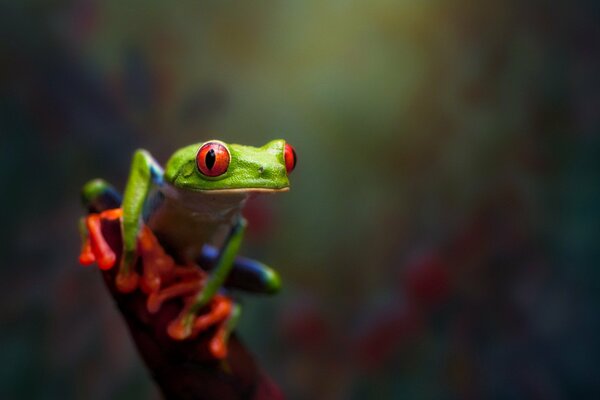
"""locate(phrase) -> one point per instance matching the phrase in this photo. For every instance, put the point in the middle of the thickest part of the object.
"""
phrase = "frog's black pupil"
(295, 158)
(210, 158)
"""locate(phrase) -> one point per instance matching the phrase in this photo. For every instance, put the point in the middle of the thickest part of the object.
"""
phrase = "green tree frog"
(193, 209)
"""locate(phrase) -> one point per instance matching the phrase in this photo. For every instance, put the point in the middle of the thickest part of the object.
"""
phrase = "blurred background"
(441, 237)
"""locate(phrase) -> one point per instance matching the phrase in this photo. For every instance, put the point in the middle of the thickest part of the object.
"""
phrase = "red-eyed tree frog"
(193, 208)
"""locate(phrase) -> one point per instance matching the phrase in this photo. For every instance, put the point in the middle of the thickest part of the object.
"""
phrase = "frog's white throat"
(215, 202)
(212, 202)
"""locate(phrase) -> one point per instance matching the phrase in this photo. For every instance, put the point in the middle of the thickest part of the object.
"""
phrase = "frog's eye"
(290, 158)
(213, 159)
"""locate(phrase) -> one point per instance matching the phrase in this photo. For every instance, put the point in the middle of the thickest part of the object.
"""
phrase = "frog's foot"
(219, 310)
(159, 269)
(188, 325)
(157, 265)
(95, 247)
(218, 344)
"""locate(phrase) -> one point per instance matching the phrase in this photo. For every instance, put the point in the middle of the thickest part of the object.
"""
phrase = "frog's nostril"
(261, 169)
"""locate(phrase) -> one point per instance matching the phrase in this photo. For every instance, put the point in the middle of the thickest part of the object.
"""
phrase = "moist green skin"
(249, 168)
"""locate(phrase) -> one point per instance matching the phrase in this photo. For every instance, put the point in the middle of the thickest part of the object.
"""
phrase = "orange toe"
(86, 257)
(218, 345)
(220, 310)
(127, 283)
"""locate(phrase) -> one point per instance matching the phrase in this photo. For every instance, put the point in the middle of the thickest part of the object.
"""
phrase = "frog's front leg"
(221, 271)
(144, 171)
(186, 325)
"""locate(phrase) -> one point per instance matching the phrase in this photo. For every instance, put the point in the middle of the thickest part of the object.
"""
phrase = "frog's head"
(217, 166)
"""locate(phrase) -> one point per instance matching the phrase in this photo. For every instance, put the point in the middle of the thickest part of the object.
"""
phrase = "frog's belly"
(183, 237)
(183, 228)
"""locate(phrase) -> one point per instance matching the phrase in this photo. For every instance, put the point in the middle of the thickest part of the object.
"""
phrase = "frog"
(188, 215)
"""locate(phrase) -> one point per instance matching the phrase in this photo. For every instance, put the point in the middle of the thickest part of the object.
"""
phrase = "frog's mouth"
(258, 190)
(214, 201)
(184, 194)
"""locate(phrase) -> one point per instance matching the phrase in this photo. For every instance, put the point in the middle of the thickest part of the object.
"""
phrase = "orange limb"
(127, 283)
(111, 215)
(220, 309)
(181, 328)
(104, 255)
(157, 264)
(187, 325)
(155, 299)
(95, 247)
(147, 241)
(218, 344)
(86, 257)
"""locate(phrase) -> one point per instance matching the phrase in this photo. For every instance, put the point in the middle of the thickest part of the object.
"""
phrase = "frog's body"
(184, 221)
(197, 202)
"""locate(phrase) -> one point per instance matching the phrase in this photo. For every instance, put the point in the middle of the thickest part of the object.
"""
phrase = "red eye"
(213, 159)
(290, 158)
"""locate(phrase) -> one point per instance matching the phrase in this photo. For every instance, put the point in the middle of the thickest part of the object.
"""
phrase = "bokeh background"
(441, 237)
